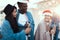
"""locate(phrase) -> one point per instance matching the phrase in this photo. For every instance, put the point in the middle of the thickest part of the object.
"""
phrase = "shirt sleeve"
(7, 33)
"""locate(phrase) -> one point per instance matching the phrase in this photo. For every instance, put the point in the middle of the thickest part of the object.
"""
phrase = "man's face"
(48, 18)
(23, 7)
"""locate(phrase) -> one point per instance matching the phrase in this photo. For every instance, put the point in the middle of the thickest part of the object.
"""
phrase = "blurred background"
(35, 7)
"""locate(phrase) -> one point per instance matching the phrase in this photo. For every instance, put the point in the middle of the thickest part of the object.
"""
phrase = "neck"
(22, 12)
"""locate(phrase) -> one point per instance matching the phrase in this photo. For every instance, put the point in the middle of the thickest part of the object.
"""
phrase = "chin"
(25, 11)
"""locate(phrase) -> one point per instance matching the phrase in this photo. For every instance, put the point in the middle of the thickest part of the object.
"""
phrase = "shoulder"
(28, 12)
(5, 22)
(6, 27)
(41, 22)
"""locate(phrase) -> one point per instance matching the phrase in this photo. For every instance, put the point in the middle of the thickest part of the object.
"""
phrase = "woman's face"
(14, 13)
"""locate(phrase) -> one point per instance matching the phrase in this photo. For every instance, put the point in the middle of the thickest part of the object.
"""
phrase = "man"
(55, 21)
(24, 20)
(43, 30)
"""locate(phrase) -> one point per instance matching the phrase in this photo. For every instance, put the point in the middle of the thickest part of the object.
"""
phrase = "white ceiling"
(3, 3)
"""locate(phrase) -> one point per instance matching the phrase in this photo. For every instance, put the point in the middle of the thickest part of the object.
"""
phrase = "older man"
(43, 30)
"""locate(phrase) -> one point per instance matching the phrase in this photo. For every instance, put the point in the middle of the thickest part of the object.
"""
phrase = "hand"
(27, 30)
(0, 36)
(52, 31)
(27, 24)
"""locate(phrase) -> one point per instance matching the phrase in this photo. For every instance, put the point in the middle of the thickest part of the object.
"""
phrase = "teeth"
(47, 23)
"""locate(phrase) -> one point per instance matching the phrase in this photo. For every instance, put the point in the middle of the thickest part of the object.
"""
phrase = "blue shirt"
(7, 32)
